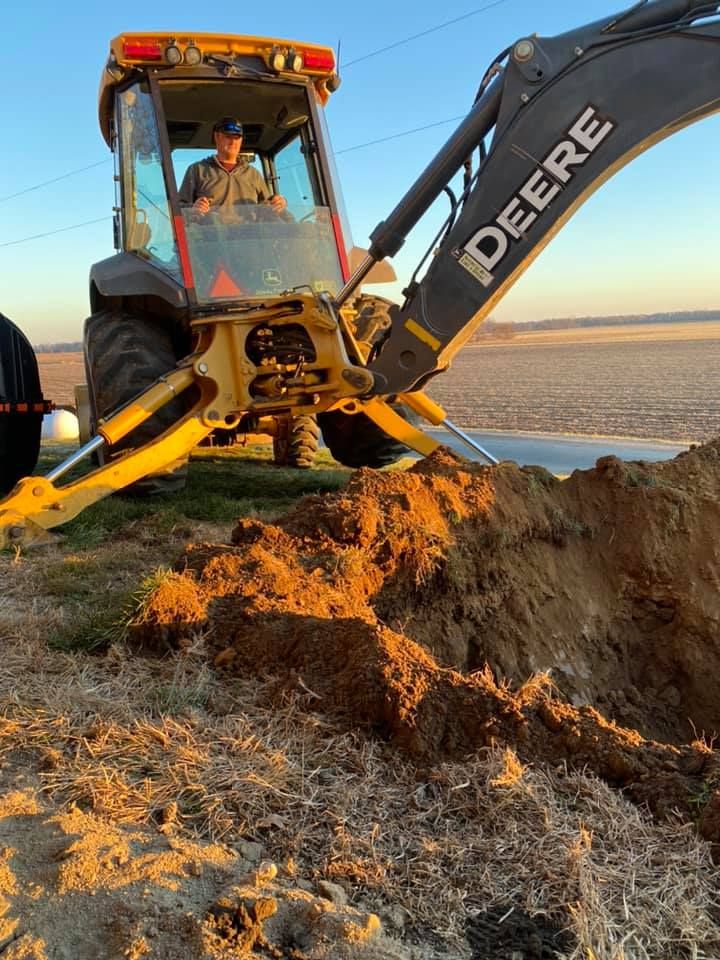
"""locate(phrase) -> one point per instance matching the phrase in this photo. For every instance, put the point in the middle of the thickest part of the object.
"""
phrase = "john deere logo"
(487, 247)
(272, 278)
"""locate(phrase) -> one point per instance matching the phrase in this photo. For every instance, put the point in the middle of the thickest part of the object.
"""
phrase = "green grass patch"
(75, 578)
(97, 609)
(223, 484)
(91, 628)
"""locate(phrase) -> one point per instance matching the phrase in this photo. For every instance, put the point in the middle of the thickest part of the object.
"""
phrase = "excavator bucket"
(21, 406)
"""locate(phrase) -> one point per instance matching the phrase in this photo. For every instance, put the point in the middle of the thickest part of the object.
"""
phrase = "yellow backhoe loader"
(250, 319)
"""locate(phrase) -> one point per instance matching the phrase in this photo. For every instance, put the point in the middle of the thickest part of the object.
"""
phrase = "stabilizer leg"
(36, 504)
(381, 413)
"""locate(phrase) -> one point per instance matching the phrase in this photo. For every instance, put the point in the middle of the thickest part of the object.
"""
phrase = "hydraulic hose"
(655, 14)
(390, 234)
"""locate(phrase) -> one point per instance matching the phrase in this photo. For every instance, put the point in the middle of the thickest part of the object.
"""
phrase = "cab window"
(147, 224)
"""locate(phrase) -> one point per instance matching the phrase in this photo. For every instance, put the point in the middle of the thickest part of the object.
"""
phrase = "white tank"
(60, 425)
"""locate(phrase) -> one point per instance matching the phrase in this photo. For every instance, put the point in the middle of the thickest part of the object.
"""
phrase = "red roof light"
(142, 50)
(319, 59)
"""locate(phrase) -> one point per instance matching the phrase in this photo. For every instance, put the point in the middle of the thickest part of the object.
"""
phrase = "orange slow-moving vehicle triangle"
(224, 285)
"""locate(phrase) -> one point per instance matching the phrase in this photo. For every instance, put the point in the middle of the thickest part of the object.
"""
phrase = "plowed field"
(658, 389)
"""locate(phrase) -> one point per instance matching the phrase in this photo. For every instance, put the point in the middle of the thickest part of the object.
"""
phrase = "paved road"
(561, 454)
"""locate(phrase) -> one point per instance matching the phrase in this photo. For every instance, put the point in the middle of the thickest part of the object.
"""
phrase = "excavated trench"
(430, 607)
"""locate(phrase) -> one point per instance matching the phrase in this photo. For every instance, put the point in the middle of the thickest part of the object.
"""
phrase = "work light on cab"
(173, 54)
(277, 59)
(193, 55)
(295, 61)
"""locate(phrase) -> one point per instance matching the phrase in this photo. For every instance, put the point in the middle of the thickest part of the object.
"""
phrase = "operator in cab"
(223, 182)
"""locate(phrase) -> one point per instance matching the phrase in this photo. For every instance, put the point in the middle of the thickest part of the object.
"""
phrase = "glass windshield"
(265, 228)
(255, 253)
(147, 225)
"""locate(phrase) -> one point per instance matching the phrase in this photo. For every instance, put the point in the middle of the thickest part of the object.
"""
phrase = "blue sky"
(663, 257)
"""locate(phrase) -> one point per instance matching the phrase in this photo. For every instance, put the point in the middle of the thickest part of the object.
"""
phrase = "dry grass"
(145, 740)
(138, 739)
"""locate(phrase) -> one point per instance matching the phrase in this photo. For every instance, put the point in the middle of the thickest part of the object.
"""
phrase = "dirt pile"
(423, 605)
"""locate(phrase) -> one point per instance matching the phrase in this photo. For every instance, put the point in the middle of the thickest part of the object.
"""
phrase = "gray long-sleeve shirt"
(207, 178)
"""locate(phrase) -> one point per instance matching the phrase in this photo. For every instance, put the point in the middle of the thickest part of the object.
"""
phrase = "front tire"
(125, 353)
(296, 442)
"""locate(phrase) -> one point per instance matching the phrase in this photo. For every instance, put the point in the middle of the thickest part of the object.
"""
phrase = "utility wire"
(423, 33)
(50, 233)
(357, 146)
(394, 136)
(45, 183)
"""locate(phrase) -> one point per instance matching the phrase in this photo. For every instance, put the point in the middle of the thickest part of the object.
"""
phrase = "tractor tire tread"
(354, 440)
(124, 354)
(300, 447)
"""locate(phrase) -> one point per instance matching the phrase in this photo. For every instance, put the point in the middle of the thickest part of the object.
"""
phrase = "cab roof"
(213, 54)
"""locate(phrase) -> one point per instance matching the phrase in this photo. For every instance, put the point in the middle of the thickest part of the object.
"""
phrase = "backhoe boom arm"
(566, 113)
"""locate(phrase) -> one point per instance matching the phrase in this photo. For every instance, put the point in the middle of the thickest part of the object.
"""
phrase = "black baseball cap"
(229, 126)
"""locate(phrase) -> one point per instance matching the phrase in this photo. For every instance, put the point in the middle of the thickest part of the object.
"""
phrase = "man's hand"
(278, 203)
(201, 206)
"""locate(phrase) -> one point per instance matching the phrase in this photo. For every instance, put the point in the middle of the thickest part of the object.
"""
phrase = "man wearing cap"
(223, 181)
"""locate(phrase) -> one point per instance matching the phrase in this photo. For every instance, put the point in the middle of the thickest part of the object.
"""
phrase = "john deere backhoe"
(229, 322)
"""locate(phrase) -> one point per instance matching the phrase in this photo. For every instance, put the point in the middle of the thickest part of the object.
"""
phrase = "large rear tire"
(296, 443)
(19, 383)
(125, 353)
(355, 440)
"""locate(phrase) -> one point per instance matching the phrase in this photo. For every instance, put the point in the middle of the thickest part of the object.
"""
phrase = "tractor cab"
(161, 96)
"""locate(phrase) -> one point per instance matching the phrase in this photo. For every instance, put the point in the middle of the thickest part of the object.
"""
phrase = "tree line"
(74, 347)
(495, 330)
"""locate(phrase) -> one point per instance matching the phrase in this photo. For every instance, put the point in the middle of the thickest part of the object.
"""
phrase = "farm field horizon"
(649, 381)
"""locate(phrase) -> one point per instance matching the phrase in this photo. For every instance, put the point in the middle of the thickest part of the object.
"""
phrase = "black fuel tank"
(19, 385)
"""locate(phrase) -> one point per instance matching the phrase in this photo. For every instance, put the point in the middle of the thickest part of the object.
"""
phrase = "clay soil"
(456, 607)
(429, 696)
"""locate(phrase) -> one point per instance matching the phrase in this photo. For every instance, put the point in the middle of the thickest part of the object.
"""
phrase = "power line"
(357, 146)
(366, 56)
(50, 233)
(405, 133)
(423, 33)
(45, 183)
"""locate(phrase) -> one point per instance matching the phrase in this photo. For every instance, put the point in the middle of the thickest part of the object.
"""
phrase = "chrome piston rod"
(82, 454)
(468, 441)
